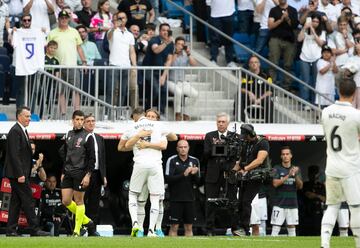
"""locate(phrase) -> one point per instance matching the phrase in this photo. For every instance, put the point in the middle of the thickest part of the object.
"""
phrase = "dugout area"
(308, 150)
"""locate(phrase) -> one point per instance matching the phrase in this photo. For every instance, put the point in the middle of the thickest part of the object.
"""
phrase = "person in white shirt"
(40, 11)
(222, 17)
(341, 124)
(325, 79)
(313, 38)
(147, 140)
(353, 67)
(263, 8)
(123, 55)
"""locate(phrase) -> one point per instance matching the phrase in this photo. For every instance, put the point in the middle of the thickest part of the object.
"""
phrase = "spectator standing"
(222, 17)
(262, 9)
(245, 13)
(138, 12)
(100, 23)
(89, 48)
(40, 11)
(325, 79)
(313, 9)
(177, 84)
(122, 54)
(283, 21)
(181, 173)
(287, 181)
(353, 65)
(15, 12)
(69, 45)
(4, 21)
(313, 38)
(86, 13)
(38, 174)
(159, 53)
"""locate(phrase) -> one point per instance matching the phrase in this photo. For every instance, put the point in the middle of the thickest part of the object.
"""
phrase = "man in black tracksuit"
(78, 154)
(182, 171)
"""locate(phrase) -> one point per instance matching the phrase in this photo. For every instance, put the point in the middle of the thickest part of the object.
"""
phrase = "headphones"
(248, 129)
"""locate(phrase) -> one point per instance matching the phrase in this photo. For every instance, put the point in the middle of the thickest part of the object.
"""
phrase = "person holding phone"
(177, 83)
(313, 37)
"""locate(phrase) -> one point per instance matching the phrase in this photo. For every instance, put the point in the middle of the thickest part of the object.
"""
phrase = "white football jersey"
(147, 157)
(341, 123)
(29, 45)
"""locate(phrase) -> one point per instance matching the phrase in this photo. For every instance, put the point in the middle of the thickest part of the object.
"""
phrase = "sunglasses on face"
(26, 20)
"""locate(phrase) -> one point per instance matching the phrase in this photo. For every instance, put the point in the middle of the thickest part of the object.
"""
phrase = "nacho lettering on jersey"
(341, 124)
(147, 157)
(29, 51)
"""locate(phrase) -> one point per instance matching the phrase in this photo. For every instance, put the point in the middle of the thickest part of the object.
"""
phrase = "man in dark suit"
(98, 177)
(215, 167)
(18, 164)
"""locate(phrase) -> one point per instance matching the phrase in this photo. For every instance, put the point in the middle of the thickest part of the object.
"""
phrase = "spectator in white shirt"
(40, 11)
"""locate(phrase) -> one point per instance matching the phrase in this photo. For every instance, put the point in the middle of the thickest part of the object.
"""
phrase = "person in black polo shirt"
(138, 11)
(85, 15)
(182, 171)
(283, 20)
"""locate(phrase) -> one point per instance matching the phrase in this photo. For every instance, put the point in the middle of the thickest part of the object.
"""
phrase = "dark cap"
(248, 129)
(137, 111)
(326, 48)
(63, 13)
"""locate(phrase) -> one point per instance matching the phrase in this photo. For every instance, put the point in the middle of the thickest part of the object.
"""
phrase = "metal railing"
(247, 49)
(195, 93)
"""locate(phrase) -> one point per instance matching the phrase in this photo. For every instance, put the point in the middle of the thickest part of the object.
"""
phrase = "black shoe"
(40, 233)
(13, 234)
(91, 229)
(82, 231)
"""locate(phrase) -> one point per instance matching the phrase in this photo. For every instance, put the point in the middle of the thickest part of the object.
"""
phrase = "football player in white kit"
(147, 140)
(341, 124)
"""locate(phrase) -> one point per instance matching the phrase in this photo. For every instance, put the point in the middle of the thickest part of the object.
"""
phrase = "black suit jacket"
(101, 155)
(214, 166)
(18, 160)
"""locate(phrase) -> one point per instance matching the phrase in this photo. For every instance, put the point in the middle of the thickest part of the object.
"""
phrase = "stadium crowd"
(316, 40)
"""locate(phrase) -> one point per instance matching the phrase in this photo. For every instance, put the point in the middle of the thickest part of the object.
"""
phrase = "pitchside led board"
(5, 194)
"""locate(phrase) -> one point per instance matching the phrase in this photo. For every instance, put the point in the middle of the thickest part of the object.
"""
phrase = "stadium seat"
(3, 51)
(242, 55)
(170, 10)
(35, 117)
(4, 72)
(3, 117)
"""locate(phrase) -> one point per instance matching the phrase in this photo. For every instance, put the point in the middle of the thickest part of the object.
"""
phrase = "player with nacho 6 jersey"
(341, 123)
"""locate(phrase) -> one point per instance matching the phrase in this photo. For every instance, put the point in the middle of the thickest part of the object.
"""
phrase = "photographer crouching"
(250, 171)
(218, 163)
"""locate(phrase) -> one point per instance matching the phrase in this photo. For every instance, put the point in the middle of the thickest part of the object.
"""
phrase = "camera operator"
(215, 169)
(254, 154)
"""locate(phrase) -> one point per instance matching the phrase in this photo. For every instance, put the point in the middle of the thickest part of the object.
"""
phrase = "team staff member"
(287, 181)
(255, 155)
(98, 176)
(18, 164)
(53, 213)
(215, 167)
(181, 172)
(78, 154)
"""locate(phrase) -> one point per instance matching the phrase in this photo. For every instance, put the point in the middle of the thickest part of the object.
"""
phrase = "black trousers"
(21, 198)
(92, 196)
(247, 192)
(212, 190)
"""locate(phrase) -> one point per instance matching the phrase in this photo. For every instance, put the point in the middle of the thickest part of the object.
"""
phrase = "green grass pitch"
(198, 242)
